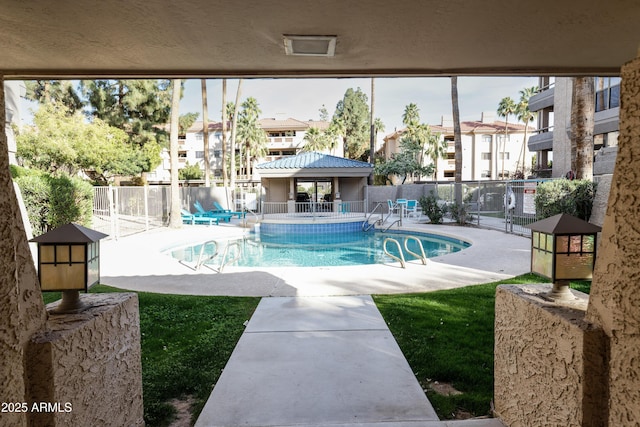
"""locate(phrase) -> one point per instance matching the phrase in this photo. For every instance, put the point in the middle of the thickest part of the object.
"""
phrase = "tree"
(175, 218)
(314, 140)
(526, 116)
(250, 132)
(205, 134)
(225, 121)
(403, 164)
(62, 143)
(190, 172)
(582, 119)
(351, 118)
(324, 114)
(234, 130)
(436, 150)
(506, 107)
(457, 140)
(56, 92)
(411, 115)
(185, 121)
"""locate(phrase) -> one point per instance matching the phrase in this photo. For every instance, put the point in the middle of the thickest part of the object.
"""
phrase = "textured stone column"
(21, 308)
(615, 294)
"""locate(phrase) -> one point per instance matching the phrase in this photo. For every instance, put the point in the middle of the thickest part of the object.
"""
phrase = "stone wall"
(614, 303)
(88, 365)
(548, 361)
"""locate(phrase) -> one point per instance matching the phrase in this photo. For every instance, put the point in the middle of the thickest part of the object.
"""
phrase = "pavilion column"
(22, 311)
(614, 303)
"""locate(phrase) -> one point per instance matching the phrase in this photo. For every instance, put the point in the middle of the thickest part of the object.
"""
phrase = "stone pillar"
(614, 304)
(21, 308)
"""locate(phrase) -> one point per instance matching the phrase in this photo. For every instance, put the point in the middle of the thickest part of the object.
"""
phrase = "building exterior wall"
(614, 299)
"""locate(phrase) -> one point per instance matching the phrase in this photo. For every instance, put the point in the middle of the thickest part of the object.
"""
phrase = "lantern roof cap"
(564, 224)
(70, 233)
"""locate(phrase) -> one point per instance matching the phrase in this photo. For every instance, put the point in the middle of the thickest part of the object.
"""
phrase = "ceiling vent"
(309, 45)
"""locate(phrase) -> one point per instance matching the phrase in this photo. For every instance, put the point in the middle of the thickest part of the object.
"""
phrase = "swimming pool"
(318, 249)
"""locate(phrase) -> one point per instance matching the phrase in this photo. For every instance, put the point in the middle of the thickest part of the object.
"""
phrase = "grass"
(186, 342)
(447, 336)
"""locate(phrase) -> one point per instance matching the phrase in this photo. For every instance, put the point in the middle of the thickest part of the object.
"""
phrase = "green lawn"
(447, 336)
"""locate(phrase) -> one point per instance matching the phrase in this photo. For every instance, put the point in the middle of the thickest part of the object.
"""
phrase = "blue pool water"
(320, 249)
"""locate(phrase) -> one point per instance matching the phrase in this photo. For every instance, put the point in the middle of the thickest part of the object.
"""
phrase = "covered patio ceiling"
(214, 38)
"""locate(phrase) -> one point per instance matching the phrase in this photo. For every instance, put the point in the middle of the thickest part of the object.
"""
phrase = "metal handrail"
(386, 251)
(224, 260)
(366, 226)
(203, 258)
(200, 262)
(422, 257)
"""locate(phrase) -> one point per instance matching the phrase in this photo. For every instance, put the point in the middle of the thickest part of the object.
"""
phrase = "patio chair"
(189, 218)
(217, 208)
(211, 214)
(413, 208)
(393, 208)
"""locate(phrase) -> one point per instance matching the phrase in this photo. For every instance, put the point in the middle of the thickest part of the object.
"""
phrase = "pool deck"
(137, 263)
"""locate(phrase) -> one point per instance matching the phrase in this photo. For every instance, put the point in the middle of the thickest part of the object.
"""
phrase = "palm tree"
(436, 150)
(234, 130)
(411, 115)
(225, 175)
(582, 118)
(314, 140)
(175, 219)
(506, 107)
(250, 132)
(205, 133)
(457, 138)
(525, 115)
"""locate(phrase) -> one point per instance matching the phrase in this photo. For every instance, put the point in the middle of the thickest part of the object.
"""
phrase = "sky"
(302, 98)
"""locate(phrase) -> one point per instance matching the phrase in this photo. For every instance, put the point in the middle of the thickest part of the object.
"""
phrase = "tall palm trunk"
(234, 131)
(582, 118)
(205, 133)
(225, 174)
(175, 219)
(457, 138)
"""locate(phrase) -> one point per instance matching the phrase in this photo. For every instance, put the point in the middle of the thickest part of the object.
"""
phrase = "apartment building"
(485, 155)
(551, 140)
(285, 138)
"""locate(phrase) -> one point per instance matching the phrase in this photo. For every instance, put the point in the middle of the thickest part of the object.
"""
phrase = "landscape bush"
(432, 209)
(52, 201)
(573, 197)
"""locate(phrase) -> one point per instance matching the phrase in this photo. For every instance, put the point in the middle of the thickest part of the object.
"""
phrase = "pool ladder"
(203, 258)
(421, 256)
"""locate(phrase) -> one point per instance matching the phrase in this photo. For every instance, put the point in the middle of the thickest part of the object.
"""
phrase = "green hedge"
(573, 197)
(54, 201)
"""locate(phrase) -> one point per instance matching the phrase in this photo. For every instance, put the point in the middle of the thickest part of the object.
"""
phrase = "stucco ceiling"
(208, 38)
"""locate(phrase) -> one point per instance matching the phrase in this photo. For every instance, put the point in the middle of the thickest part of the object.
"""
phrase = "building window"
(182, 154)
(486, 138)
(451, 156)
(449, 174)
(199, 137)
(485, 156)
(503, 156)
(199, 154)
(217, 153)
(485, 174)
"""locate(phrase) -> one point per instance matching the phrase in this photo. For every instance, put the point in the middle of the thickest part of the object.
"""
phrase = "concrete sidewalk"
(315, 361)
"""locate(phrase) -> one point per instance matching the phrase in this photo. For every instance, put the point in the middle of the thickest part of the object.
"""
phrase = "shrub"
(460, 213)
(54, 201)
(432, 209)
(573, 197)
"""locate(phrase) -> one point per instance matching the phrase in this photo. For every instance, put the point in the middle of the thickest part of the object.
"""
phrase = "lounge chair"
(211, 214)
(217, 208)
(189, 218)
(413, 208)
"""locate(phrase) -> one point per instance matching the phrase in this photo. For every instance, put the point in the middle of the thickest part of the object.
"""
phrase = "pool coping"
(136, 263)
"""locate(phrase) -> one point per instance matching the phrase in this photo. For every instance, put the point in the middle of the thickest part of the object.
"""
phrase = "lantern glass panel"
(575, 244)
(549, 242)
(562, 244)
(574, 266)
(47, 253)
(588, 243)
(62, 277)
(542, 263)
(62, 253)
(535, 239)
(77, 253)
